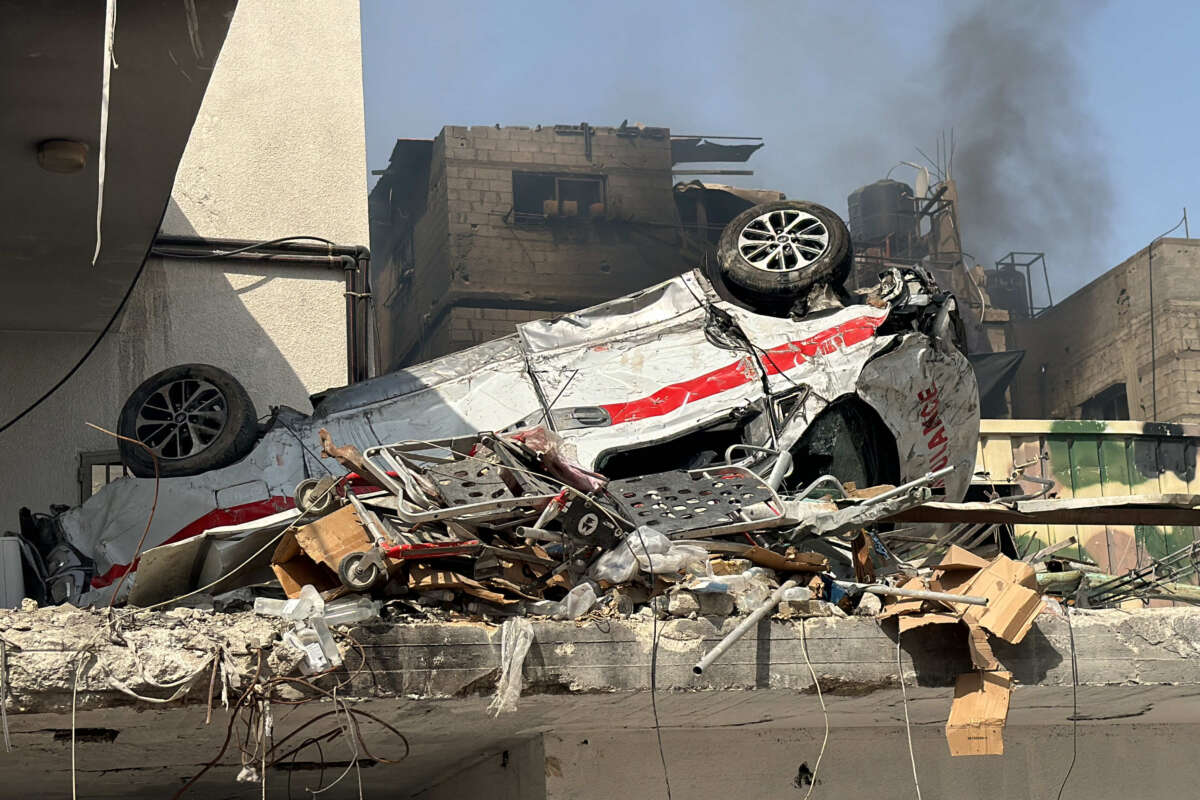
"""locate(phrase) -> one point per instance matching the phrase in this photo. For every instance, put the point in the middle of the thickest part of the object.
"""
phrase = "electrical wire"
(820, 697)
(907, 722)
(662, 755)
(654, 630)
(87, 353)
(137, 551)
(1074, 706)
(121, 306)
(255, 246)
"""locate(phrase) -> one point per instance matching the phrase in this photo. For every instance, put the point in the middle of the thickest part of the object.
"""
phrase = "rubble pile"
(502, 527)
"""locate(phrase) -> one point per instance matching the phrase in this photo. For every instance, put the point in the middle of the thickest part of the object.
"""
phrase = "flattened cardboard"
(960, 558)
(422, 578)
(311, 553)
(1012, 604)
(978, 714)
(792, 562)
(864, 569)
(980, 648)
(904, 606)
(952, 582)
(910, 622)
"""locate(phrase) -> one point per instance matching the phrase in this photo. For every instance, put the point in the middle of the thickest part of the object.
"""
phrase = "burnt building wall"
(1080, 352)
(516, 224)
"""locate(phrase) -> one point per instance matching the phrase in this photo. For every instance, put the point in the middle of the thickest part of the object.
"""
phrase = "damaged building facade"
(689, 497)
(1126, 346)
(484, 227)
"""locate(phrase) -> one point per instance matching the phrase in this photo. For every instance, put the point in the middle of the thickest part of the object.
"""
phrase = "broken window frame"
(525, 213)
(1109, 404)
(89, 461)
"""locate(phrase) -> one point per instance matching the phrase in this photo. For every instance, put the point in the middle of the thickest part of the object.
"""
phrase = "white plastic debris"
(749, 589)
(798, 593)
(578, 602)
(349, 610)
(516, 635)
(310, 632)
(248, 774)
(648, 550)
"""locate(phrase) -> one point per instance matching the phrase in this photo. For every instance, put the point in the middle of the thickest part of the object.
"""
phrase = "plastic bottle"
(349, 610)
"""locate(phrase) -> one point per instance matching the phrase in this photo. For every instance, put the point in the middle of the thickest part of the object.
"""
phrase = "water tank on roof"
(1006, 288)
(882, 209)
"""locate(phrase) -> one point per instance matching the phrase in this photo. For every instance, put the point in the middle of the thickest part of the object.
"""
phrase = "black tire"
(221, 429)
(790, 273)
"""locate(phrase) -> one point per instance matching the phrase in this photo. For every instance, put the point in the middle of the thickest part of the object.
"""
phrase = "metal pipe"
(919, 594)
(821, 480)
(903, 488)
(745, 625)
(353, 260)
(220, 246)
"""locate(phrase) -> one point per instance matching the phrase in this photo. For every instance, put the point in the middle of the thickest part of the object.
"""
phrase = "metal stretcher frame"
(384, 460)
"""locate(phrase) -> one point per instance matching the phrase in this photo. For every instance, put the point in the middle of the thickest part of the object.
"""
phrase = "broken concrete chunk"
(683, 604)
(868, 605)
(730, 566)
(715, 604)
(802, 609)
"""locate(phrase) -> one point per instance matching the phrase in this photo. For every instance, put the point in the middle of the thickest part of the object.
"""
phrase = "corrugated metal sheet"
(1095, 459)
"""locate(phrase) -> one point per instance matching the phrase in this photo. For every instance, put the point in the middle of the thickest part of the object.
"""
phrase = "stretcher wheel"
(315, 496)
(356, 575)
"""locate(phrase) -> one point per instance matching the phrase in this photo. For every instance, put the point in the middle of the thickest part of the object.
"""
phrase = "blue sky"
(1100, 93)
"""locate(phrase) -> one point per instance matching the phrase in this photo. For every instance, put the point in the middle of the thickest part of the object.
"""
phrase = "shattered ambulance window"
(539, 196)
(97, 469)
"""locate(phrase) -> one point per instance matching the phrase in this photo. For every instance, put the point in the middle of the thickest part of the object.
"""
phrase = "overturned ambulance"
(760, 355)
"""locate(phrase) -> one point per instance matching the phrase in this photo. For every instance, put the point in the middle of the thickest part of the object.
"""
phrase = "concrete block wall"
(492, 262)
(1101, 335)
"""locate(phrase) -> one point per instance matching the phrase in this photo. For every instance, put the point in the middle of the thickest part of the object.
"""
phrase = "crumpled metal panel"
(673, 300)
(489, 390)
(643, 359)
(926, 395)
(647, 362)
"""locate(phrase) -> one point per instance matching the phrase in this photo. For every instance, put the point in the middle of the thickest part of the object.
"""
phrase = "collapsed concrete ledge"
(122, 656)
(585, 681)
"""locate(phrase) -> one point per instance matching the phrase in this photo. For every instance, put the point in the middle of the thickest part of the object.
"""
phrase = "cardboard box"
(1013, 600)
(978, 714)
(311, 553)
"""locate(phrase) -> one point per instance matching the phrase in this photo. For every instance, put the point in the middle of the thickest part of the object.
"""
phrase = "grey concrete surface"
(585, 724)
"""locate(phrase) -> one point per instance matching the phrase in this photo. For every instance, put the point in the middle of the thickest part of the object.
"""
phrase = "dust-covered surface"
(137, 659)
(101, 654)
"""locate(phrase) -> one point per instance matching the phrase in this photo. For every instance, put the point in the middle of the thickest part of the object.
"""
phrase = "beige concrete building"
(274, 147)
(484, 227)
(1109, 352)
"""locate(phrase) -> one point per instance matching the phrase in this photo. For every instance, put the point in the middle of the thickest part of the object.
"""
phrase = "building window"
(1111, 404)
(97, 469)
(538, 196)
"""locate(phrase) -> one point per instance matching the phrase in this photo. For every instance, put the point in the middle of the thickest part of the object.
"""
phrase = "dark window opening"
(538, 196)
(98, 469)
(692, 450)
(1110, 404)
(849, 441)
